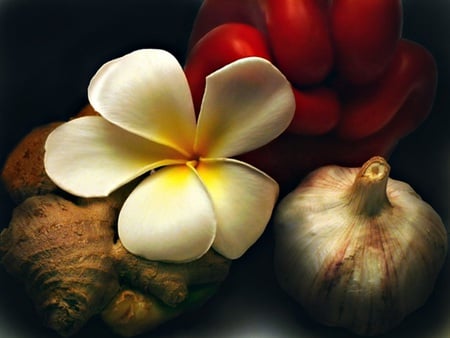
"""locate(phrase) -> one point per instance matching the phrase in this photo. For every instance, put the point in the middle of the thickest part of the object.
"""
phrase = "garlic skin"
(357, 249)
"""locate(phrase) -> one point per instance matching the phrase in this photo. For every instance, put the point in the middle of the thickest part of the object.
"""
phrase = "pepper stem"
(368, 193)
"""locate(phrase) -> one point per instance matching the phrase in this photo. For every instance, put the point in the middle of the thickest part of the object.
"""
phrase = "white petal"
(168, 217)
(243, 199)
(146, 92)
(91, 157)
(246, 104)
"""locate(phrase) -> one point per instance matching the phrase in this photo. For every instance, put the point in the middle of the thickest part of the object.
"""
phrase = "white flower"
(198, 197)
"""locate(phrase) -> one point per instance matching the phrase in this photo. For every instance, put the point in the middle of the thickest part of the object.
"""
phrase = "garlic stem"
(368, 193)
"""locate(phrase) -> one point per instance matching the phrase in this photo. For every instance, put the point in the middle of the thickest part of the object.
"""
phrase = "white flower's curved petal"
(146, 93)
(243, 199)
(246, 104)
(91, 157)
(168, 217)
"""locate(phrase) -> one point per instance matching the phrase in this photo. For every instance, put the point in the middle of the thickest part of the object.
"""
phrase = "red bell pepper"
(359, 86)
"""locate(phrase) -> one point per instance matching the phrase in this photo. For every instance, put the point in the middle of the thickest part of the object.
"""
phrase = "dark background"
(48, 52)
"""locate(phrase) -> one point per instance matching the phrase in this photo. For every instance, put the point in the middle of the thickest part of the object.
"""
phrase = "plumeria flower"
(194, 195)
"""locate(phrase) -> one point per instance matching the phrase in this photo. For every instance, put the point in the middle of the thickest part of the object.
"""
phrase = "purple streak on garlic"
(357, 249)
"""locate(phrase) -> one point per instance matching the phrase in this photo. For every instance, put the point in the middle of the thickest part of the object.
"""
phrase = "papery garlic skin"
(356, 257)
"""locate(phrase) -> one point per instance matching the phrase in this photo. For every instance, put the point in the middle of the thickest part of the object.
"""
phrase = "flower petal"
(246, 104)
(243, 199)
(146, 93)
(91, 157)
(168, 217)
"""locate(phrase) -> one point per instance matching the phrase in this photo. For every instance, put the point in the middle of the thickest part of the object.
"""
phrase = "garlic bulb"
(357, 249)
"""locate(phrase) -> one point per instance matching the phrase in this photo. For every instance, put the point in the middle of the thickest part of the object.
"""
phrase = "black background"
(49, 50)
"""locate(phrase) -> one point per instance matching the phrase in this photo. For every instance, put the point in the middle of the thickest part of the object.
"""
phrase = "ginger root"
(169, 282)
(66, 252)
(23, 174)
(60, 252)
(131, 312)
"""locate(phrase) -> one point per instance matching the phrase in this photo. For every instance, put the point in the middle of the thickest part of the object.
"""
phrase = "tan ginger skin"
(65, 251)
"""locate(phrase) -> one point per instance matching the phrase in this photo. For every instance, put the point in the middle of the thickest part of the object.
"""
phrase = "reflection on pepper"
(359, 86)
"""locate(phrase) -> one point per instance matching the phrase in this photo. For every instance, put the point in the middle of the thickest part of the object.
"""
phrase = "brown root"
(131, 313)
(65, 255)
(23, 174)
(60, 252)
(87, 110)
(169, 282)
